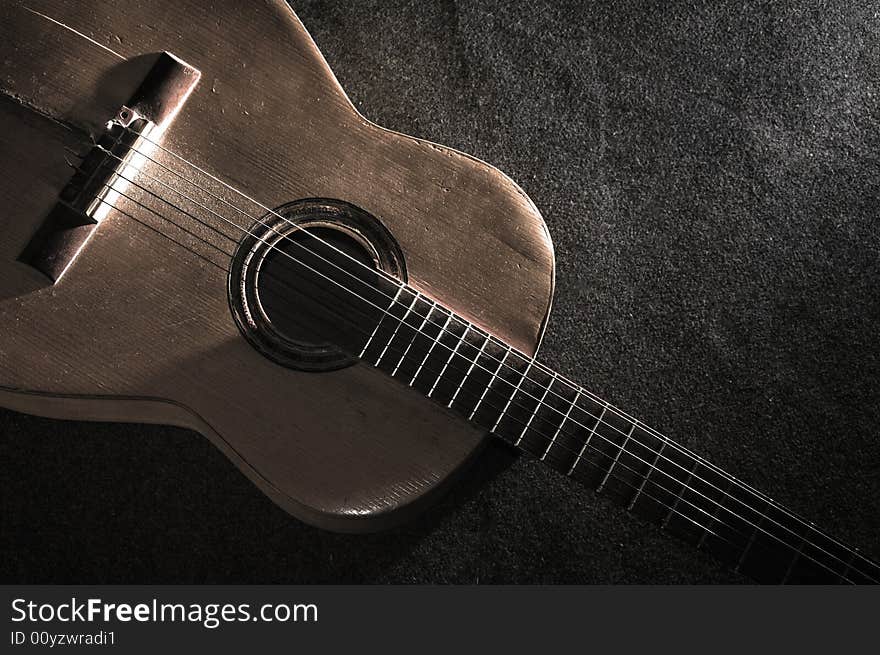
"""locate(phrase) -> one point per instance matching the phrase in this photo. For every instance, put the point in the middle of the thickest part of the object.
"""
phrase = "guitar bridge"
(105, 171)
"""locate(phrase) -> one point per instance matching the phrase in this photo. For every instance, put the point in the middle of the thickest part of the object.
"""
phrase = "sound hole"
(304, 286)
(310, 286)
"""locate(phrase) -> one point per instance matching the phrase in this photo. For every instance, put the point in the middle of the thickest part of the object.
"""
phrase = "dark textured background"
(709, 175)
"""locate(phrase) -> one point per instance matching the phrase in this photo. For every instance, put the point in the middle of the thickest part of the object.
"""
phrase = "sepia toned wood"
(139, 327)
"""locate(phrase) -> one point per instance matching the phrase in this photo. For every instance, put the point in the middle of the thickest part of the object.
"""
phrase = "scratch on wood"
(67, 27)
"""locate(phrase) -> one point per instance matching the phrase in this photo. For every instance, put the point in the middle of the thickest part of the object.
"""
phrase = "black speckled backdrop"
(709, 174)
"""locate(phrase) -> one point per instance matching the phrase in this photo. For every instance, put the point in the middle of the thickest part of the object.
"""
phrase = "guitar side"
(139, 328)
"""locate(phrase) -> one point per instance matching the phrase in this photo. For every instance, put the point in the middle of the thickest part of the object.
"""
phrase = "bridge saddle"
(104, 173)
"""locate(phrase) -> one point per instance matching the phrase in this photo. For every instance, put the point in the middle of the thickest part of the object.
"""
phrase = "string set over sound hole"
(304, 287)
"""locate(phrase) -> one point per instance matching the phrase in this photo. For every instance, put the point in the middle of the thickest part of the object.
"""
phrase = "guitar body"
(139, 328)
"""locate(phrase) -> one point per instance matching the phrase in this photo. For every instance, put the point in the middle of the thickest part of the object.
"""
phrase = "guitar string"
(674, 445)
(640, 491)
(363, 331)
(665, 440)
(661, 471)
(800, 537)
(532, 362)
(729, 478)
(646, 428)
(579, 458)
(571, 384)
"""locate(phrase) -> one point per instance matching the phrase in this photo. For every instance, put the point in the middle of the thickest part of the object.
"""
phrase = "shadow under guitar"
(117, 503)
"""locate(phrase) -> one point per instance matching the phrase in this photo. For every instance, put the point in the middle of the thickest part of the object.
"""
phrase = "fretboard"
(483, 380)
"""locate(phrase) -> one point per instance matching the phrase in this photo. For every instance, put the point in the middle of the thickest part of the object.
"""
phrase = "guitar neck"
(526, 404)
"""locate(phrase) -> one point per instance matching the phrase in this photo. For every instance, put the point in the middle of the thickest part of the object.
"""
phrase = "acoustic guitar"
(213, 237)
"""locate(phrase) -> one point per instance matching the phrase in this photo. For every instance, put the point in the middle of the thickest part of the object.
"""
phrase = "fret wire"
(852, 553)
(713, 517)
(715, 503)
(824, 566)
(413, 340)
(512, 396)
(624, 481)
(652, 467)
(699, 525)
(742, 558)
(559, 429)
(470, 369)
(535, 412)
(401, 322)
(587, 442)
(379, 324)
(725, 475)
(794, 560)
(489, 386)
(678, 447)
(616, 458)
(431, 349)
(684, 488)
(587, 462)
(687, 518)
(451, 355)
(730, 479)
(715, 512)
